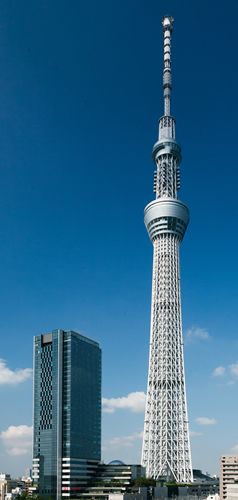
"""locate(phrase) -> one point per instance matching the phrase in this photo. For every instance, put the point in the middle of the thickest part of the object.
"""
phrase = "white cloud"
(11, 377)
(195, 433)
(195, 332)
(124, 441)
(206, 421)
(134, 401)
(219, 371)
(17, 439)
(230, 370)
(230, 382)
(234, 369)
(234, 449)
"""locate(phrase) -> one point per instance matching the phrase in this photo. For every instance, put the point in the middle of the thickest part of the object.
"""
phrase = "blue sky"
(80, 98)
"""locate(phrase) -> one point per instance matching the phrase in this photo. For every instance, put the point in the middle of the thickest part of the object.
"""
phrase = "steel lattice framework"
(166, 445)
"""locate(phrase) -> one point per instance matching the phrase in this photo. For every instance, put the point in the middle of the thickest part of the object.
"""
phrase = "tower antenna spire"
(167, 24)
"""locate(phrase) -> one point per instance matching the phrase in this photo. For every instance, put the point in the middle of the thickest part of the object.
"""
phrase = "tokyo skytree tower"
(166, 444)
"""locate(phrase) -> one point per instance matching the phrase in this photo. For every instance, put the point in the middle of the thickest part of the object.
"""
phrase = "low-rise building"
(115, 477)
(6, 485)
(229, 473)
(232, 491)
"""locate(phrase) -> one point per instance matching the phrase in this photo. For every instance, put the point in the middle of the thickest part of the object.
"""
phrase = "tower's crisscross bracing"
(166, 445)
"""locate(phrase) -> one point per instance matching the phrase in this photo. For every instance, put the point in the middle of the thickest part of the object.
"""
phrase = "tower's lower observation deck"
(166, 216)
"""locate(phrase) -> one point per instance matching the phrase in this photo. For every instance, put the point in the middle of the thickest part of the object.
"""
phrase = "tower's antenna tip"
(167, 22)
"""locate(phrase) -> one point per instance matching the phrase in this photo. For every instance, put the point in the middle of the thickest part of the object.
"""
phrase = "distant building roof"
(198, 475)
(116, 462)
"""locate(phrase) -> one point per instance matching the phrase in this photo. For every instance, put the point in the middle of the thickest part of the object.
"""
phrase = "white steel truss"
(166, 444)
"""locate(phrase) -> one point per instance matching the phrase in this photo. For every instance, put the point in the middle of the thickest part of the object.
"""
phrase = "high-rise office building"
(66, 413)
(166, 445)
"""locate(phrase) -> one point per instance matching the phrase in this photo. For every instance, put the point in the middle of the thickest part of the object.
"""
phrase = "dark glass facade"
(67, 410)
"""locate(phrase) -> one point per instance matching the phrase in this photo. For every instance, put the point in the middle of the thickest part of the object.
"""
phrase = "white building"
(232, 491)
(228, 476)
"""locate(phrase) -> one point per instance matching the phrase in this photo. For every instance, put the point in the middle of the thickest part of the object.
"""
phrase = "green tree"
(144, 481)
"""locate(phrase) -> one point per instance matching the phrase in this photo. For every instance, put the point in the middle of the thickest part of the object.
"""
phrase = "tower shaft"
(166, 444)
(166, 441)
